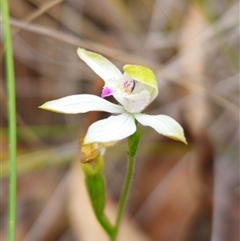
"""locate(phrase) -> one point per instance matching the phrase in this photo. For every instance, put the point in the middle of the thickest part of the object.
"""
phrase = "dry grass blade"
(43, 226)
(119, 55)
(34, 15)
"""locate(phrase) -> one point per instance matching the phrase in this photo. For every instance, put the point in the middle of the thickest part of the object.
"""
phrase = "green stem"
(12, 119)
(95, 183)
(133, 142)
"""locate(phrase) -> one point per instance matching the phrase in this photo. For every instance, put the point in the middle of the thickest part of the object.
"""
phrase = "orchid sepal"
(164, 125)
(83, 103)
(111, 129)
(100, 65)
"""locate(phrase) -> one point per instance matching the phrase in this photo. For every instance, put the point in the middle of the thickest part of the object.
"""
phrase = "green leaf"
(96, 189)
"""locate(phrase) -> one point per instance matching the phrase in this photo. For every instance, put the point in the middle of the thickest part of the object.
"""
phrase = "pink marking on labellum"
(129, 85)
(107, 92)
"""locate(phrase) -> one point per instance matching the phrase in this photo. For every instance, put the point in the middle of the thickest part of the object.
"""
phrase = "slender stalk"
(125, 192)
(133, 142)
(12, 119)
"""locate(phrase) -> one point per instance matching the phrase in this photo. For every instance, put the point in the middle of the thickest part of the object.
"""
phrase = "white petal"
(113, 128)
(74, 104)
(164, 125)
(134, 103)
(100, 65)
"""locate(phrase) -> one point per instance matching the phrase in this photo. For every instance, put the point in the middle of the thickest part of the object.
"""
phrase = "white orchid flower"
(134, 90)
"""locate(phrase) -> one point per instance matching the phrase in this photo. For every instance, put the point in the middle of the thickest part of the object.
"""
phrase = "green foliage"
(96, 189)
(95, 183)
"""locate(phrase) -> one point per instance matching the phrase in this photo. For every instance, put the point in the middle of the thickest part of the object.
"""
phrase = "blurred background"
(179, 193)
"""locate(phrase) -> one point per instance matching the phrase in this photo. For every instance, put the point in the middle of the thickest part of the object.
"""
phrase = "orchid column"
(134, 90)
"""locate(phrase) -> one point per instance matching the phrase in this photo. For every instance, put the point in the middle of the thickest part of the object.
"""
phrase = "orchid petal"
(145, 76)
(74, 104)
(113, 128)
(164, 125)
(100, 65)
(134, 103)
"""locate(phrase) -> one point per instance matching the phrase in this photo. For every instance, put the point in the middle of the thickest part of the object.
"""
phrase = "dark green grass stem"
(11, 117)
